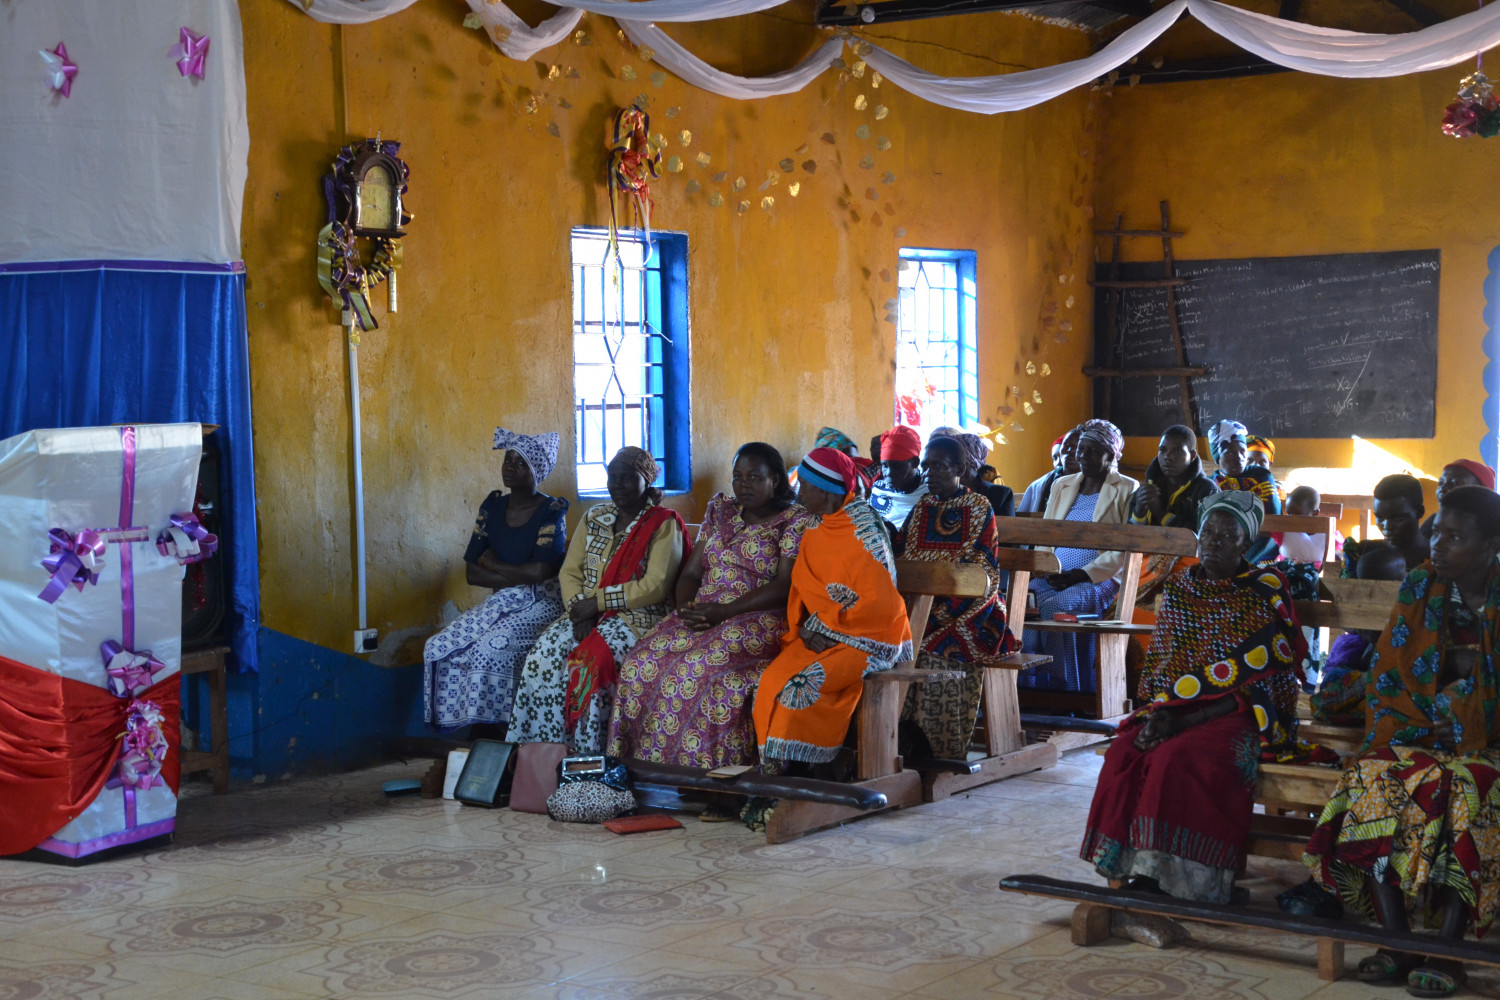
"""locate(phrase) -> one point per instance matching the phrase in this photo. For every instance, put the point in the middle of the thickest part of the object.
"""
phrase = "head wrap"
(832, 437)
(945, 432)
(1105, 433)
(539, 450)
(1057, 449)
(976, 448)
(640, 460)
(829, 470)
(1257, 443)
(1244, 506)
(1224, 432)
(1478, 470)
(900, 444)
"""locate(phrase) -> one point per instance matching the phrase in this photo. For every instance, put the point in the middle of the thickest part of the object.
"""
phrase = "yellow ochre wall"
(1293, 164)
(787, 305)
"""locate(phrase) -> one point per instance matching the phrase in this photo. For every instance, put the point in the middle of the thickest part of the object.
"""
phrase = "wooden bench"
(1312, 524)
(1136, 541)
(1091, 922)
(211, 662)
(1364, 505)
(878, 763)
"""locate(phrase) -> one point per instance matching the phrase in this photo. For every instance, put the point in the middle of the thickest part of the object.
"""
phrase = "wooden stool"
(211, 662)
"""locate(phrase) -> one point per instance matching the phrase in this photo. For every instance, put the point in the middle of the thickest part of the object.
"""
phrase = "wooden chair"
(1365, 505)
(1137, 541)
(211, 662)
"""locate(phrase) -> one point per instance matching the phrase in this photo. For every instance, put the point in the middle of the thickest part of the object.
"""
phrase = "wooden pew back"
(1325, 525)
(1364, 505)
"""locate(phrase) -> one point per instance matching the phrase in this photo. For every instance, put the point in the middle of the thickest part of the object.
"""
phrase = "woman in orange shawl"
(848, 619)
(1415, 822)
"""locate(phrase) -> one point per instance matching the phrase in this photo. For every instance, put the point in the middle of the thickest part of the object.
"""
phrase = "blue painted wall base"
(310, 710)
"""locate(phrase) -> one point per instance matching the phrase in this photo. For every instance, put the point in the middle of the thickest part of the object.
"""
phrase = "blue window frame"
(937, 362)
(630, 354)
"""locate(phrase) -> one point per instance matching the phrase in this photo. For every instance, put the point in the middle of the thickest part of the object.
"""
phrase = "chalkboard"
(1300, 347)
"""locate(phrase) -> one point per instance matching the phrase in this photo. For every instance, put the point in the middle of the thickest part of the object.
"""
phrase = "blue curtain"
(89, 343)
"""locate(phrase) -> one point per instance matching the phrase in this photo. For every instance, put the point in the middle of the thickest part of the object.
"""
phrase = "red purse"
(536, 776)
(642, 823)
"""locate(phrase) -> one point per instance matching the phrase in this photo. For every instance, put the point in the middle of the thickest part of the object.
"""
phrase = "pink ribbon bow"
(128, 671)
(144, 748)
(187, 540)
(60, 69)
(76, 559)
(191, 53)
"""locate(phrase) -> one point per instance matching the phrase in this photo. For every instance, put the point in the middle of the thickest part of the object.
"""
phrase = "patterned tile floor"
(324, 888)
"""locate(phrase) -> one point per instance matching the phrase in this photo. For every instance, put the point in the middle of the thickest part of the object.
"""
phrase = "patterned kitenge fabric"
(1182, 501)
(1180, 812)
(539, 450)
(1414, 811)
(1253, 480)
(1072, 667)
(470, 667)
(1238, 637)
(539, 715)
(962, 633)
(1340, 697)
(684, 696)
(843, 588)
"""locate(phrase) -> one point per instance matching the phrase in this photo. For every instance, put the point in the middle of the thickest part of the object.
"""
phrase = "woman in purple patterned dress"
(684, 693)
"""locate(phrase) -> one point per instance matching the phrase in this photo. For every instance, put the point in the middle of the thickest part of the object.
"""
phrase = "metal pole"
(359, 472)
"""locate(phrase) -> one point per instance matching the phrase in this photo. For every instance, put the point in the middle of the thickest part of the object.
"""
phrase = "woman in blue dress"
(518, 545)
(1089, 579)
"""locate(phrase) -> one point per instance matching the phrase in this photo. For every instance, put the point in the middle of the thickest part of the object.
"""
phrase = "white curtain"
(140, 163)
(1323, 51)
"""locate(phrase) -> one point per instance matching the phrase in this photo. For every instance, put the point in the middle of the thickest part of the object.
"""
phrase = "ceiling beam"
(836, 13)
(1226, 68)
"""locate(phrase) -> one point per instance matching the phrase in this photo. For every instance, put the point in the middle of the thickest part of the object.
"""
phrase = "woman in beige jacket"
(1089, 578)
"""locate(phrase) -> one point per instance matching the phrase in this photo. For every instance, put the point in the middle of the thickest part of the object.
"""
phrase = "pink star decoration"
(191, 53)
(60, 70)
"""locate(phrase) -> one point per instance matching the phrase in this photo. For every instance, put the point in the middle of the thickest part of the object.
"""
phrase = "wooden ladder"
(1168, 282)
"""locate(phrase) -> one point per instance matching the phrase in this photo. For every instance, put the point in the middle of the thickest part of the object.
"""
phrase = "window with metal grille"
(937, 378)
(630, 354)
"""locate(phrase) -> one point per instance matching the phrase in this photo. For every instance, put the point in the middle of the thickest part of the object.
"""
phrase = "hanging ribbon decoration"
(191, 53)
(633, 163)
(128, 671)
(342, 271)
(1476, 112)
(60, 69)
(74, 559)
(187, 540)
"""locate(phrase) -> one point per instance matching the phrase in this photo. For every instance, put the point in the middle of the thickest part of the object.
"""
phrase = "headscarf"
(1257, 443)
(900, 444)
(1244, 506)
(1057, 449)
(832, 437)
(945, 432)
(1224, 432)
(974, 448)
(639, 459)
(1478, 470)
(1104, 433)
(539, 450)
(829, 470)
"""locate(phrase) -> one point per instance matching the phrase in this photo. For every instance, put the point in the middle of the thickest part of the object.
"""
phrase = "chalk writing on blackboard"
(1324, 346)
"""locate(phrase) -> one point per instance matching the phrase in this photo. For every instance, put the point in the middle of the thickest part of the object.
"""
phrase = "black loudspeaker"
(205, 591)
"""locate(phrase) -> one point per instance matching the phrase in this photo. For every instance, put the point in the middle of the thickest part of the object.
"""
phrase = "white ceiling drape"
(1304, 47)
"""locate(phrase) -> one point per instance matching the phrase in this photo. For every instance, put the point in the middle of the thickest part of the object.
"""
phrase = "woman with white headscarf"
(518, 545)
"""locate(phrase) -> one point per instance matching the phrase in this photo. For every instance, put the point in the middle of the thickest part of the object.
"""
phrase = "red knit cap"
(900, 444)
(1478, 470)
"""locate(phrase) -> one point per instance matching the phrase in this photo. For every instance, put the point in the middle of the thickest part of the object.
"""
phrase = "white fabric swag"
(1305, 47)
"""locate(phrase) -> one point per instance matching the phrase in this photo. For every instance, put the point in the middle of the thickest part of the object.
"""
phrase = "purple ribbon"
(128, 670)
(191, 52)
(76, 559)
(187, 540)
(127, 561)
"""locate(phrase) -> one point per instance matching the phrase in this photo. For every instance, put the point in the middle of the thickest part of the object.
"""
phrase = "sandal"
(1436, 978)
(1388, 967)
(718, 814)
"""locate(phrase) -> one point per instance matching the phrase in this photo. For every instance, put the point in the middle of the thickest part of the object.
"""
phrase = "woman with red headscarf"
(1463, 472)
(847, 619)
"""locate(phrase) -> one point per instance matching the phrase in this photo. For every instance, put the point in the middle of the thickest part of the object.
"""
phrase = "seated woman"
(901, 484)
(1461, 472)
(954, 524)
(617, 583)
(684, 693)
(1064, 463)
(1172, 808)
(1229, 443)
(1413, 823)
(1260, 452)
(1089, 580)
(847, 620)
(469, 668)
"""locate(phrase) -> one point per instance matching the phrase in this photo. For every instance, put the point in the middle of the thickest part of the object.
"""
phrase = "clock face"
(377, 200)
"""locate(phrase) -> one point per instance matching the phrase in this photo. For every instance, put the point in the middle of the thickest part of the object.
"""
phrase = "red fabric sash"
(59, 743)
(591, 664)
